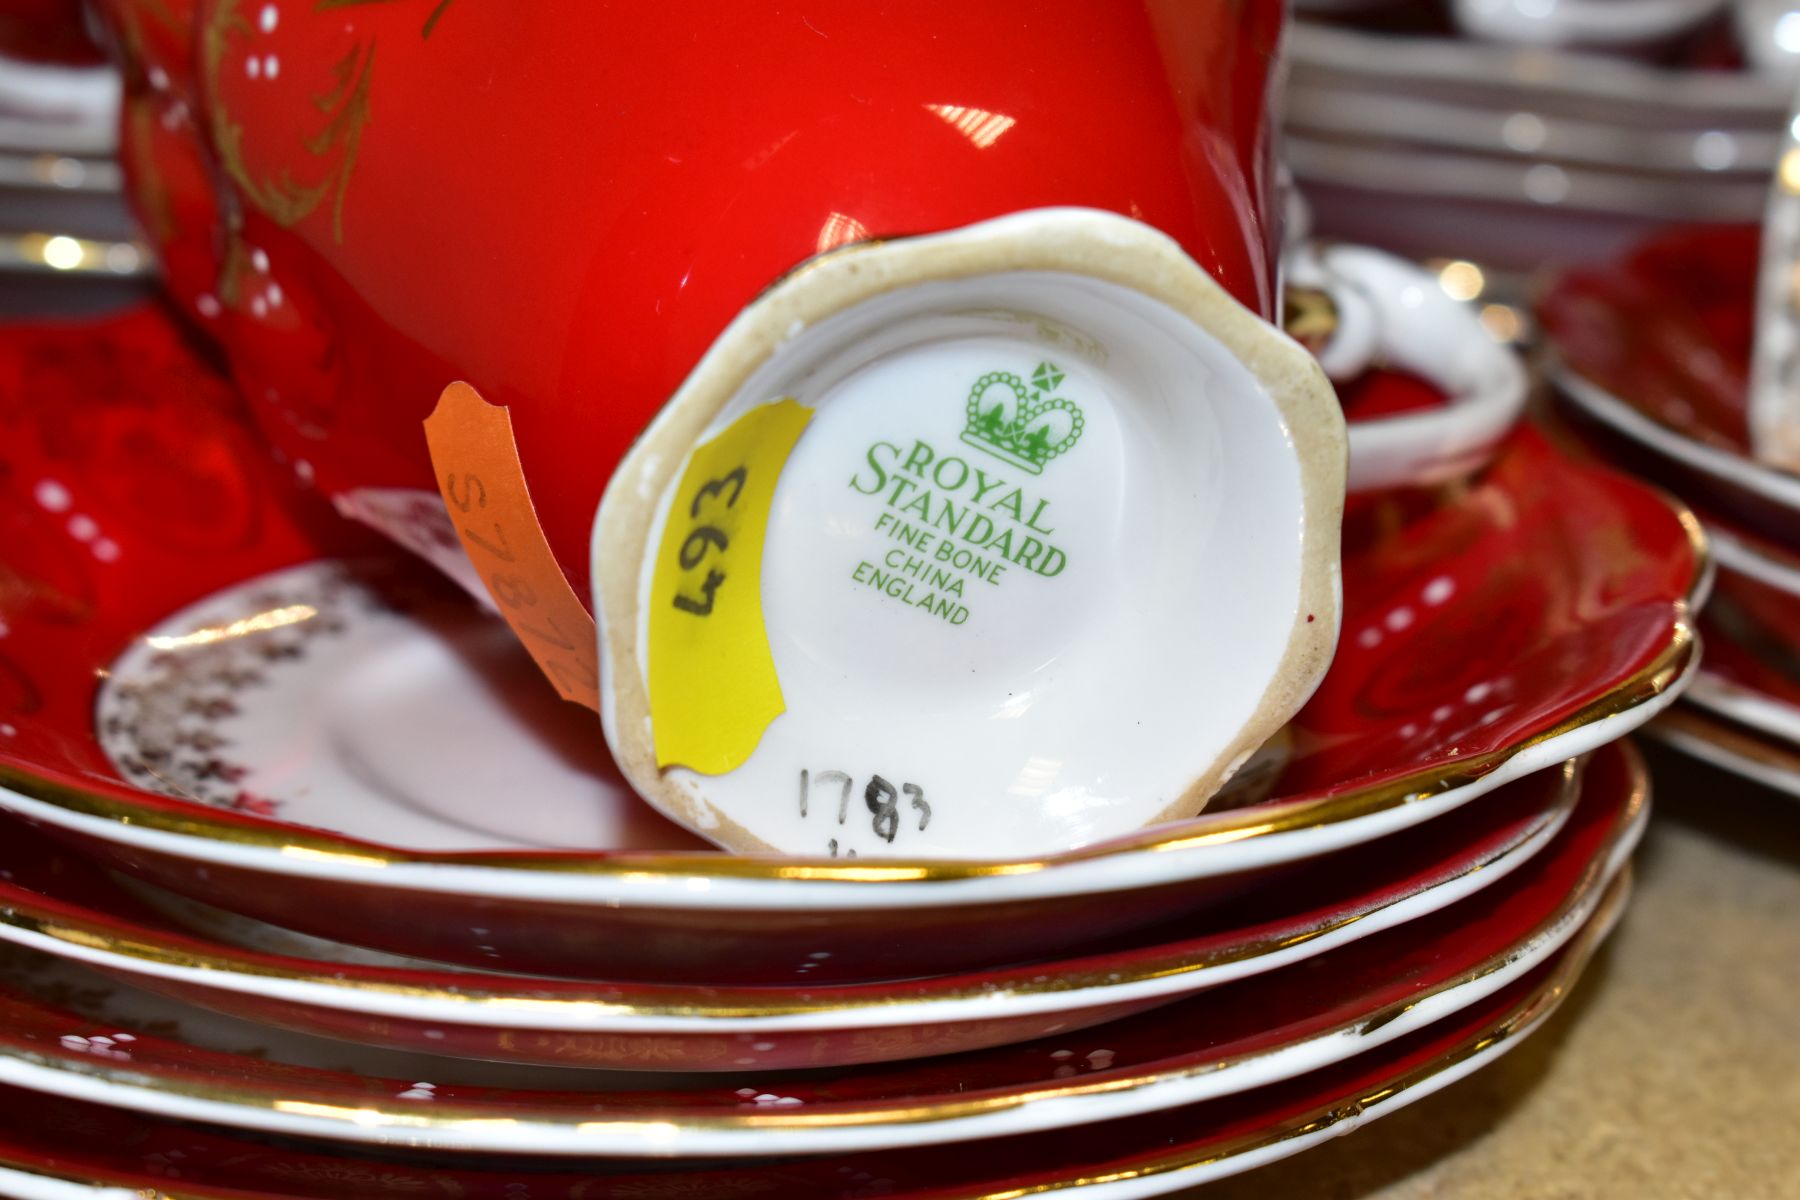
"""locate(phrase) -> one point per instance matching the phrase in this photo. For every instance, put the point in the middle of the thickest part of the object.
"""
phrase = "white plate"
(1537, 79)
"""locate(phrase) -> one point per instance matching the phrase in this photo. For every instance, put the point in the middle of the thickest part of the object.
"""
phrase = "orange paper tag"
(483, 484)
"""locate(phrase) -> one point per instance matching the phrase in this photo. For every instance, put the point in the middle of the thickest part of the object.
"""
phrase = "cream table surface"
(1672, 1072)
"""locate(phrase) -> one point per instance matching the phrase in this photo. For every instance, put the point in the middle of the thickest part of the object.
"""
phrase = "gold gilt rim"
(1520, 1019)
(366, 1111)
(1729, 736)
(1642, 686)
(189, 820)
(91, 933)
(1523, 1018)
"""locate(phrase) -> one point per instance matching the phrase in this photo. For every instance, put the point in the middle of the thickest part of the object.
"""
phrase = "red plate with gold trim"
(1539, 611)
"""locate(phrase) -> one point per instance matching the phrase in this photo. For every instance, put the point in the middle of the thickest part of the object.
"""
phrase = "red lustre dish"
(55, 894)
(1494, 950)
(88, 1144)
(1750, 663)
(1758, 613)
(1548, 600)
(127, 472)
(1387, 987)
(1652, 360)
(1667, 328)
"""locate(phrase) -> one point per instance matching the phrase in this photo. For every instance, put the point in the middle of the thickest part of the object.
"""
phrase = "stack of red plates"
(1652, 359)
(308, 887)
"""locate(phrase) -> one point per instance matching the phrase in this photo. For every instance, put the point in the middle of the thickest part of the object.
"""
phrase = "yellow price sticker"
(713, 689)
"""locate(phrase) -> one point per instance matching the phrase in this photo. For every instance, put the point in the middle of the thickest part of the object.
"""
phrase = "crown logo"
(1026, 427)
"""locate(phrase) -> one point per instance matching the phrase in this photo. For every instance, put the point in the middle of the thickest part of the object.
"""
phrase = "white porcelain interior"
(416, 519)
(1010, 648)
(997, 687)
(1395, 313)
(883, 1127)
(347, 714)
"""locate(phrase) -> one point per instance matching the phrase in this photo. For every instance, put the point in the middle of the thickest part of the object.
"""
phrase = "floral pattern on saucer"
(166, 711)
(327, 695)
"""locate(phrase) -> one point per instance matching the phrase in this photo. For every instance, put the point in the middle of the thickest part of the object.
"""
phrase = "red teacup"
(565, 208)
(979, 233)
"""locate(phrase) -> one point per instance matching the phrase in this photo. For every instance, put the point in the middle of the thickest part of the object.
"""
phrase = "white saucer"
(412, 727)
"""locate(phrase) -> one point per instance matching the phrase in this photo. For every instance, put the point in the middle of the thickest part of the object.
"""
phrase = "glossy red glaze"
(66, 1139)
(1752, 663)
(47, 886)
(1471, 625)
(173, 189)
(1761, 618)
(127, 475)
(1257, 1017)
(1382, 393)
(152, 40)
(47, 31)
(1667, 329)
(1543, 588)
(69, 1139)
(566, 207)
